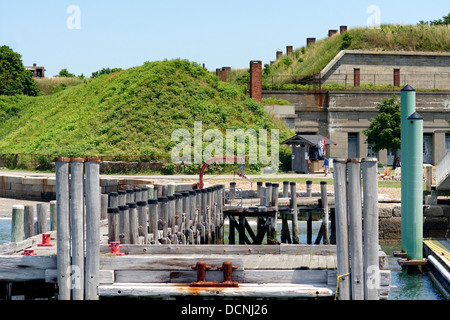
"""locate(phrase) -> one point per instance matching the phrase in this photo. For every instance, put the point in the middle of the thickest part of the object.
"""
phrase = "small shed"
(306, 147)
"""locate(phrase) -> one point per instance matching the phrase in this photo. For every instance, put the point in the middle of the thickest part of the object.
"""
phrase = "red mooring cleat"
(115, 248)
(28, 252)
(46, 241)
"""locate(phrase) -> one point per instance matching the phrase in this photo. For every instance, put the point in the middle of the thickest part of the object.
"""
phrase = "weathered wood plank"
(244, 290)
(322, 262)
(224, 249)
(307, 249)
(306, 261)
(282, 276)
(27, 262)
(160, 262)
(105, 276)
(22, 274)
(314, 262)
(331, 262)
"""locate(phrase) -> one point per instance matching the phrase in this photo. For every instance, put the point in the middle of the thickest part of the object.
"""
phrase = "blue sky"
(218, 33)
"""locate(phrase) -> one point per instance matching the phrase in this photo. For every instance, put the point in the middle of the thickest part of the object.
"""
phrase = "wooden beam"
(244, 290)
(223, 249)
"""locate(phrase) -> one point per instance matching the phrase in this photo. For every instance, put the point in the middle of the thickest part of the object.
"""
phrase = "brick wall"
(256, 80)
(222, 73)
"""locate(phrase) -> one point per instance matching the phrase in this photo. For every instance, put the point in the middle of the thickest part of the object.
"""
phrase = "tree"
(444, 21)
(65, 73)
(104, 71)
(14, 78)
(384, 129)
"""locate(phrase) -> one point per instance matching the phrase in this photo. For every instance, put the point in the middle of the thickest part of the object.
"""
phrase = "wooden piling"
(171, 213)
(285, 189)
(198, 205)
(209, 215)
(269, 193)
(294, 210)
(113, 201)
(28, 221)
(93, 205)
(129, 196)
(185, 207)
(122, 194)
(258, 189)
(103, 206)
(153, 218)
(232, 194)
(137, 193)
(341, 217)
(324, 197)
(124, 224)
(309, 188)
(354, 209)
(142, 219)
(77, 224)
(17, 220)
(150, 192)
(170, 189)
(309, 214)
(370, 201)
(41, 215)
(53, 215)
(113, 224)
(144, 194)
(163, 203)
(178, 210)
(134, 234)
(203, 200)
(63, 231)
(192, 207)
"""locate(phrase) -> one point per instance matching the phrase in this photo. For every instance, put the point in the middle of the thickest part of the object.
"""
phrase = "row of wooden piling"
(24, 225)
(356, 210)
(137, 216)
(269, 196)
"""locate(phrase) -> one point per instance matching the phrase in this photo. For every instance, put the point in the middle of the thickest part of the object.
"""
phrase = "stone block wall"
(436, 222)
(44, 188)
(421, 70)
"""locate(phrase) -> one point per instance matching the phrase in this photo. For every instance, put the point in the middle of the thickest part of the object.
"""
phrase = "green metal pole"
(415, 202)
(407, 107)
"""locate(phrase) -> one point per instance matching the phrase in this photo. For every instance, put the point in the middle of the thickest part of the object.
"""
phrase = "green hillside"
(306, 61)
(128, 113)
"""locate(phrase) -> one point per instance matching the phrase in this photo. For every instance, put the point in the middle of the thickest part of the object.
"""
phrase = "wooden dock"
(174, 246)
(438, 256)
(164, 271)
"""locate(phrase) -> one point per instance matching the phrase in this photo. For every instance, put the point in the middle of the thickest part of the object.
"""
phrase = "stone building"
(421, 70)
(38, 72)
(343, 115)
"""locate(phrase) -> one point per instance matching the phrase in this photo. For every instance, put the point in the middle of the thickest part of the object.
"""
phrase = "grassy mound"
(128, 113)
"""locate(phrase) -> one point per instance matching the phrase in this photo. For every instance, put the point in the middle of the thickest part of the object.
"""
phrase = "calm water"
(407, 286)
